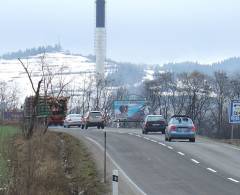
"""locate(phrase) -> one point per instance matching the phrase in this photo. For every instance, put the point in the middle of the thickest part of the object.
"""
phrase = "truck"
(52, 108)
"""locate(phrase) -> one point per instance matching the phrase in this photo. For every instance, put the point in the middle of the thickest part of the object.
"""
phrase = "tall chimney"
(100, 37)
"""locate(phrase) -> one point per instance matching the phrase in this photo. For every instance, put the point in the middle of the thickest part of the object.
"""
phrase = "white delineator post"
(115, 182)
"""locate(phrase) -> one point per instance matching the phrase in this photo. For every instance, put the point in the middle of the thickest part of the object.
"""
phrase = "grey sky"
(150, 31)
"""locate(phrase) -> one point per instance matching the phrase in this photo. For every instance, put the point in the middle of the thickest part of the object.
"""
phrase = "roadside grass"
(6, 134)
(54, 164)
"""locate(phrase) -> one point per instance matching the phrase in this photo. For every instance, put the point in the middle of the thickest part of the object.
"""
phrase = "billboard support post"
(232, 132)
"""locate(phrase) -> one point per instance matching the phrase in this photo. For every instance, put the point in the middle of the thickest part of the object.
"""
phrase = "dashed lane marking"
(195, 161)
(212, 170)
(162, 144)
(234, 180)
(153, 140)
(182, 154)
(169, 147)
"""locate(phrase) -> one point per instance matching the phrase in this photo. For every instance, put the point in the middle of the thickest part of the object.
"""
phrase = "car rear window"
(182, 120)
(95, 114)
(155, 118)
(74, 115)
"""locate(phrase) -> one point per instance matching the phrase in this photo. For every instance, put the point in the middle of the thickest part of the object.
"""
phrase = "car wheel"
(192, 140)
(169, 139)
(163, 132)
(143, 132)
(98, 127)
(166, 139)
(82, 126)
(86, 126)
(102, 126)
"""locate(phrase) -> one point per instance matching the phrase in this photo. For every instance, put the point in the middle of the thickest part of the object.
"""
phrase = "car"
(94, 119)
(73, 120)
(154, 123)
(180, 127)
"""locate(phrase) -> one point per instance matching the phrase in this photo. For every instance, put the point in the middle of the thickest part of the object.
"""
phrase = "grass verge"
(6, 135)
(53, 164)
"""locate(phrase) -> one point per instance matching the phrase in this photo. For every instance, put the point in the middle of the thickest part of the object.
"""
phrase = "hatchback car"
(180, 127)
(154, 123)
(94, 119)
(73, 120)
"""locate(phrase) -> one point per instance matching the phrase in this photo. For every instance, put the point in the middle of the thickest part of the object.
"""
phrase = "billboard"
(130, 110)
(234, 111)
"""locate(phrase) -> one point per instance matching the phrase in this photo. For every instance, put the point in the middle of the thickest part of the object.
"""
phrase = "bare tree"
(36, 91)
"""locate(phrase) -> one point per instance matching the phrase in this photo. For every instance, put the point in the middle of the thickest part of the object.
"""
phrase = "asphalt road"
(176, 168)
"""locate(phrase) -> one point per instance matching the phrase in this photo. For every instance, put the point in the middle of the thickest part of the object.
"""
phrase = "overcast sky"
(150, 31)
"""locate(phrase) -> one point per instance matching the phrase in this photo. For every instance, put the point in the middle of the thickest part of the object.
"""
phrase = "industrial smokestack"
(100, 37)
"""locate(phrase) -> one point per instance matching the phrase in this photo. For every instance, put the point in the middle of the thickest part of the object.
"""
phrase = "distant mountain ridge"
(31, 52)
(229, 65)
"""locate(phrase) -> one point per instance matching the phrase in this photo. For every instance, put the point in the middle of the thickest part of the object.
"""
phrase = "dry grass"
(53, 164)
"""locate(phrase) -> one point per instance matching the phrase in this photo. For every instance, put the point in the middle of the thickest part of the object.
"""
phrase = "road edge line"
(117, 166)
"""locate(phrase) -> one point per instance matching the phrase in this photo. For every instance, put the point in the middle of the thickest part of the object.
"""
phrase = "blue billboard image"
(130, 110)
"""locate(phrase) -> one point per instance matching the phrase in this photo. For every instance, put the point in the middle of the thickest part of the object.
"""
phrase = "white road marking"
(181, 153)
(195, 161)
(138, 135)
(146, 138)
(130, 134)
(171, 148)
(162, 144)
(234, 180)
(118, 167)
(212, 170)
(153, 140)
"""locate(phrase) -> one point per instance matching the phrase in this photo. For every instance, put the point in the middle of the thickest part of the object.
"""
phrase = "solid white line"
(181, 153)
(171, 148)
(118, 167)
(195, 161)
(146, 138)
(212, 170)
(234, 180)
(162, 144)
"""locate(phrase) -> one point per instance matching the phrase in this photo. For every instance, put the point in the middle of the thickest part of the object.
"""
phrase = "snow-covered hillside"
(74, 68)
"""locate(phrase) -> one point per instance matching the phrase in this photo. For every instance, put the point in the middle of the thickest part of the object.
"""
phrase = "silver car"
(180, 127)
(94, 119)
(73, 120)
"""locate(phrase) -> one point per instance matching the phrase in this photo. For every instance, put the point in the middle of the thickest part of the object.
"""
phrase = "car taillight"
(173, 128)
(193, 128)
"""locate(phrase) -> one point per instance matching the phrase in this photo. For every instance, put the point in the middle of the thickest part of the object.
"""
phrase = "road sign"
(234, 112)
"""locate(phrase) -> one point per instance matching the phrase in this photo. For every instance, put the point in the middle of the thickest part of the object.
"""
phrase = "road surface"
(175, 168)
